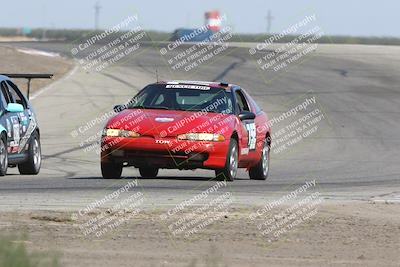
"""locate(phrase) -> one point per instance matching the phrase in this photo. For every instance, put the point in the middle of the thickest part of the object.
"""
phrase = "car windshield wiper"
(149, 107)
(197, 110)
(158, 107)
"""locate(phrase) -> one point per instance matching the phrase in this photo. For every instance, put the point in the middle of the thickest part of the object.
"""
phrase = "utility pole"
(44, 22)
(269, 19)
(97, 8)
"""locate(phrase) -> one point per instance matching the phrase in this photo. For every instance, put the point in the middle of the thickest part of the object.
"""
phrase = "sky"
(340, 17)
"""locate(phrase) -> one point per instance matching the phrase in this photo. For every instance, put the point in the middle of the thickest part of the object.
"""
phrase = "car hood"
(155, 122)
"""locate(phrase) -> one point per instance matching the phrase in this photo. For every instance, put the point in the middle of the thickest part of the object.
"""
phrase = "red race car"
(188, 125)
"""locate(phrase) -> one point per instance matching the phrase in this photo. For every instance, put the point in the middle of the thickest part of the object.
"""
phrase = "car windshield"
(184, 97)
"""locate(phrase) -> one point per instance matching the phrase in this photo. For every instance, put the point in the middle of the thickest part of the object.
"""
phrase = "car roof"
(4, 78)
(222, 85)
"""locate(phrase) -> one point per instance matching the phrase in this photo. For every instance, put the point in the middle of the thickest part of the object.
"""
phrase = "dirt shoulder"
(348, 234)
(14, 61)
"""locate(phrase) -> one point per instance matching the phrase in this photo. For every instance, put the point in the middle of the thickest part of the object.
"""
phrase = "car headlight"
(202, 137)
(120, 133)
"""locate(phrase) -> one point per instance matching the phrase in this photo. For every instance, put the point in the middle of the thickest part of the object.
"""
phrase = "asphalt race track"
(355, 155)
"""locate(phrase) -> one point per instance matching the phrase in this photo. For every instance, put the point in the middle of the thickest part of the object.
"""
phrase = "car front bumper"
(164, 152)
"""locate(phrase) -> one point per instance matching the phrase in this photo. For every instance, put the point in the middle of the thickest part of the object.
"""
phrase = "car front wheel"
(148, 172)
(111, 170)
(32, 165)
(232, 162)
(261, 170)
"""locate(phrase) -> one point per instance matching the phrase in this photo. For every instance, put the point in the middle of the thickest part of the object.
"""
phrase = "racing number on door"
(251, 130)
(250, 126)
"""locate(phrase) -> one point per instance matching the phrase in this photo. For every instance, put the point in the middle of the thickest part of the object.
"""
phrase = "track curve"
(355, 156)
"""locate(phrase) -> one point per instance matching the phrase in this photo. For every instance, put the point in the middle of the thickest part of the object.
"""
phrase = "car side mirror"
(14, 108)
(119, 108)
(247, 115)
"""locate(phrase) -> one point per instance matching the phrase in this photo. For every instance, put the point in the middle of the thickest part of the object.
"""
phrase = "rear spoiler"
(29, 77)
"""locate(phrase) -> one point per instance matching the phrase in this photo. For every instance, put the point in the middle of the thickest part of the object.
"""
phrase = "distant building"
(213, 20)
(212, 25)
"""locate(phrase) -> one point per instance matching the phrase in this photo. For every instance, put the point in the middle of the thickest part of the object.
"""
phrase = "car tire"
(34, 161)
(111, 170)
(146, 172)
(229, 172)
(3, 156)
(261, 170)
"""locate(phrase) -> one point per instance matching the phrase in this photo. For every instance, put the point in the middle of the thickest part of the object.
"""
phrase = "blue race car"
(19, 131)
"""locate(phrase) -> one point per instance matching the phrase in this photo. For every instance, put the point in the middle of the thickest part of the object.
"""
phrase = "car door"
(17, 123)
(10, 120)
(260, 123)
(248, 130)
